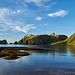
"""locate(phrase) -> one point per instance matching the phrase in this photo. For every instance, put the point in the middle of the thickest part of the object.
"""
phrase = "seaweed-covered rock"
(11, 57)
(12, 54)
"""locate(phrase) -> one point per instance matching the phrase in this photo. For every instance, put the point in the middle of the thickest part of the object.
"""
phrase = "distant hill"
(69, 41)
(3, 42)
(41, 39)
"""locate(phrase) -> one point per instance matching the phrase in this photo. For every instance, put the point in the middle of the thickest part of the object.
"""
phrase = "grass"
(41, 39)
(69, 41)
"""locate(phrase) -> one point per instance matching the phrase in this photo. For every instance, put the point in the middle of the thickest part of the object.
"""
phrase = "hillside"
(41, 39)
(69, 41)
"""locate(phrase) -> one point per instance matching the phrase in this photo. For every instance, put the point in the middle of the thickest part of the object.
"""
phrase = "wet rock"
(12, 54)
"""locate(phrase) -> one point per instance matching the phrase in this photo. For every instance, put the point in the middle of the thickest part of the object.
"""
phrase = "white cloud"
(37, 2)
(21, 29)
(6, 13)
(60, 13)
(7, 22)
(18, 11)
(26, 28)
(38, 18)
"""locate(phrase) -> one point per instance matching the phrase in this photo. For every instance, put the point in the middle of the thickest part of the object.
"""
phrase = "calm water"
(62, 57)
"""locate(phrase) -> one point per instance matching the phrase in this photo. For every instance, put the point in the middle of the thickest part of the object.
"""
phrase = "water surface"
(56, 57)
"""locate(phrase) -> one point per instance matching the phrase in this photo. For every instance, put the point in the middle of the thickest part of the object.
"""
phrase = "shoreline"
(20, 48)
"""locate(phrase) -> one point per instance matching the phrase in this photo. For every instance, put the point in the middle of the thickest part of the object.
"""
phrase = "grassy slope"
(70, 40)
(24, 40)
(43, 39)
(39, 39)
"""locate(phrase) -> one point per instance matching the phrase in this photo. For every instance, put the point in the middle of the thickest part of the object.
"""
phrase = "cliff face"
(3, 42)
(41, 39)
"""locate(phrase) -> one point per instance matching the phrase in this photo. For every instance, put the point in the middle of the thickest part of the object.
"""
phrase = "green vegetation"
(71, 39)
(41, 39)
(68, 41)
(59, 43)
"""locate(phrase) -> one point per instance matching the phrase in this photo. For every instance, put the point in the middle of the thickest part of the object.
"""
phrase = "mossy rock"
(11, 57)
(12, 54)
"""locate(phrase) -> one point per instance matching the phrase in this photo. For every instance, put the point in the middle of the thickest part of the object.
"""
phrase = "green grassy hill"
(69, 41)
(41, 39)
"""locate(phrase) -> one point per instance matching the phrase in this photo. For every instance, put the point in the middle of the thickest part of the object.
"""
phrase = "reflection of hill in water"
(63, 49)
(72, 50)
(53, 50)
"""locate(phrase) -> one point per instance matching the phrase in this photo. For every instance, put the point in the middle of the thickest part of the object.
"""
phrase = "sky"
(23, 17)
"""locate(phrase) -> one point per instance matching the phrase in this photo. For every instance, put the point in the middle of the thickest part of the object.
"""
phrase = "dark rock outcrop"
(3, 42)
(15, 42)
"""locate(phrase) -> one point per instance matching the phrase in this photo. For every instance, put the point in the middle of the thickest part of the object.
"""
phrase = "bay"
(54, 57)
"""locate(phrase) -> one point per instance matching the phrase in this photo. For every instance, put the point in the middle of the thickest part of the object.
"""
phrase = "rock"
(41, 39)
(3, 42)
(12, 54)
(15, 42)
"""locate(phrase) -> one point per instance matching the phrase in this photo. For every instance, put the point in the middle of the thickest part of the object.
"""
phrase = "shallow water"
(55, 57)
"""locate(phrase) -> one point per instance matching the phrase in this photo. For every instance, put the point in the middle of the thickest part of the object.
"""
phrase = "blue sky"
(23, 17)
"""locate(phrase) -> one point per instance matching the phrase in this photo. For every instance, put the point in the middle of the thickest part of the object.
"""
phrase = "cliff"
(41, 39)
